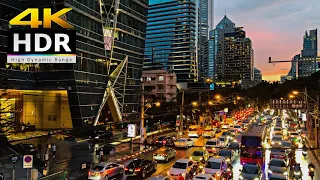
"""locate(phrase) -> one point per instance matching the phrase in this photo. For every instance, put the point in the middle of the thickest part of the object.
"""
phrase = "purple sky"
(276, 28)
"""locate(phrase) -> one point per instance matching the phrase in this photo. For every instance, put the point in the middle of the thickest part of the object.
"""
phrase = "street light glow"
(158, 104)
(217, 96)
(210, 103)
(194, 103)
(295, 92)
(238, 97)
(291, 96)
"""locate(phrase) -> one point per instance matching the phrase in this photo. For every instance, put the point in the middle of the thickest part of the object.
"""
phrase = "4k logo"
(47, 18)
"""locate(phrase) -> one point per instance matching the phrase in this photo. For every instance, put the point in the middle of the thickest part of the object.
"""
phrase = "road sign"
(132, 130)
(27, 161)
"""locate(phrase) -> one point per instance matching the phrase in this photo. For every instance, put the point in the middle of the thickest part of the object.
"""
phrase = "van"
(195, 131)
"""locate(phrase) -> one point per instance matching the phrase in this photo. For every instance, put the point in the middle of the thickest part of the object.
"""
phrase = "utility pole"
(181, 111)
(142, 128)
(309, 121)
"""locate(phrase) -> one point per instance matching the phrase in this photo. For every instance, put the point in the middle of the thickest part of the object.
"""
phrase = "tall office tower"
(203, 16)
(171, 38)
(69, 95)
(211, 15)
(211, 58)
(233, 52)
(309, 52)
(293, 70)
(257, 75)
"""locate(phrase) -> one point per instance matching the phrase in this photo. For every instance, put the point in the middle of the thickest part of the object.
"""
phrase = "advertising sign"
(132, 130)
(27, 161)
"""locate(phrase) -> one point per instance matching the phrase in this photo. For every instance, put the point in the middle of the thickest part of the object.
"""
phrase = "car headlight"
(200, 167)
(285, 173)
(201, 158)
(297, 173)
(279, 143)
(269, 171)
(97, 137)
(240, 177)
(228, 160)
(168, 173)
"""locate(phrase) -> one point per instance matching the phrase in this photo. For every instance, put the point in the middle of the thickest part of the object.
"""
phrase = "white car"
(184, 142)
(278, 166)
(212, 145)
(105, 171)
(182, 168)
(224, 141)
(203, 177)
(216, 165)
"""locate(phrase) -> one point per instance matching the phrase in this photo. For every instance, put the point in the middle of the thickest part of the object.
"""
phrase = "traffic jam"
(249, 146)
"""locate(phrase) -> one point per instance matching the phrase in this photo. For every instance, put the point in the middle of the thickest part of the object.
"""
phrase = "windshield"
(249, 141)
(211, 143)
(294, 134)
(250, 169)
(135, 163)
(199, 177)
(181, 140)
(98, 168)
(197, 153)
(225, 153)
(213, 165)
(225, 133)
(221, 138)
(287, 144)
(276, 138)
(179, 165)
(277, 129)
(193, 129)
(277, 163)
(237, 127)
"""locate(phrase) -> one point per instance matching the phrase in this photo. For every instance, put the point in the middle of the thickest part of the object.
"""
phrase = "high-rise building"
(257, 75)
(69, 95)
(306, 66)
(171, 38)
(203, 16)
(233, 52)
(211, 14)
(211, 58)
(293, 70)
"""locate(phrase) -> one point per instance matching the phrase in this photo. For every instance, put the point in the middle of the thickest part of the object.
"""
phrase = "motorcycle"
(311, 172)
(304, 153)
(297, 173)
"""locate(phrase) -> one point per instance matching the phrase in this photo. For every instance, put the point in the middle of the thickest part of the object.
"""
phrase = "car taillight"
(126, 169)
(137, 169)
(164, 142)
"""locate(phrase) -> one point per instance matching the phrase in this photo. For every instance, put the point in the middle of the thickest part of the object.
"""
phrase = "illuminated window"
(161, 78)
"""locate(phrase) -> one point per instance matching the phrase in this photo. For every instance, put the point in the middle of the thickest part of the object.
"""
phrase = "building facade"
(171, 38)
(77, 88)
(160, 84)
(211, 58)
(257, 75)
(306, 65)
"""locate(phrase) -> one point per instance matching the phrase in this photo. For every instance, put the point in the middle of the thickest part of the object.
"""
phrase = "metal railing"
(56, 176)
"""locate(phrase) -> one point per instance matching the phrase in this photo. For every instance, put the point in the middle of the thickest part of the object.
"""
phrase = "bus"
(253, 142)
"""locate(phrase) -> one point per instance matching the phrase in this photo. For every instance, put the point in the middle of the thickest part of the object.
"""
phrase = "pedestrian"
(101, 155)
(54, 150)
(1, 176)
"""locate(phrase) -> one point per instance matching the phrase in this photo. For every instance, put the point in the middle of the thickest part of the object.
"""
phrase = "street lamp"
(295, 92)
(143, 133)
(239, 98)
(210, 103)
(291, 96)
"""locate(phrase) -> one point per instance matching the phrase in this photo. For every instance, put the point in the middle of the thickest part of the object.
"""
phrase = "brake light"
(164, 142)
(126, 169)
(157, 141)
(137, 169)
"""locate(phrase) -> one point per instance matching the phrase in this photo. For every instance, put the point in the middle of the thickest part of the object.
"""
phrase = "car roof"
(183, 160)
(216, 158)
(105, 164)
(275, 159)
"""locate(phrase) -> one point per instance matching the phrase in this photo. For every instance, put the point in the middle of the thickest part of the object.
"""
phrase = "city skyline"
(275, 27)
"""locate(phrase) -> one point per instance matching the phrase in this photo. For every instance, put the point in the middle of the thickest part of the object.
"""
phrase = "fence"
(57, 176)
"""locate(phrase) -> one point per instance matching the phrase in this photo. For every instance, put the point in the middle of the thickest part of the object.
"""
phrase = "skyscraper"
(171, 38)
(293, 70)
(309, 52)
(233, 52)
(76, 90)
(211, 58)
(203, 15)
(257, 75)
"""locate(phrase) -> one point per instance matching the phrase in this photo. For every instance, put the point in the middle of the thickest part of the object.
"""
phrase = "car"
(276, 139)
(233, 132)
(27, 149)
(209, 132)
(195, 131)
(295, 137)
(278, 133)
(164, 140)
(182, 168)
(251, 172)
(235, 146)
(287, 144)
(212, 145)
(140, 167)
(279, 153)
(105, 171)
(200, 155)
(238, 128)
(216, 165)
(164, 154)
(225, 126)
(224, 141)
(203, 177)
(277, 129)
(184, 142)
(160, 177)
(276, 176)
(279, 166)
(238, 138)
(228, 154)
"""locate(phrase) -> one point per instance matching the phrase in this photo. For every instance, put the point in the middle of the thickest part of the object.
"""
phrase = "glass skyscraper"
(171, 38)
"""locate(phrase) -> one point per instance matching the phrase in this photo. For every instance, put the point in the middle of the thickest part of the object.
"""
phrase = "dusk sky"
(276, 28)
